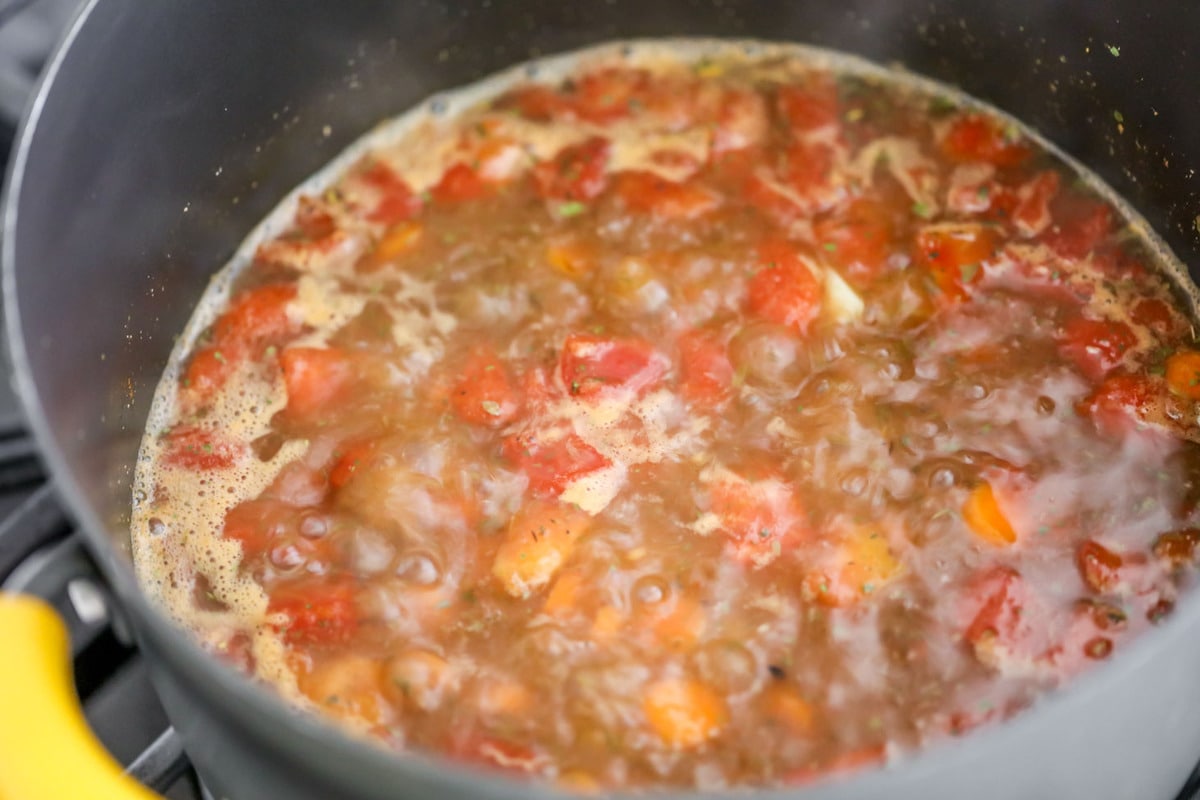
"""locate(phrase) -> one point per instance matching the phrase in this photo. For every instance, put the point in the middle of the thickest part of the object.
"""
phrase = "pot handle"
(47, 751)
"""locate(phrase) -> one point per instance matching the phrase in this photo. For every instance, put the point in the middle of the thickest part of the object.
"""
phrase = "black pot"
(164, 131)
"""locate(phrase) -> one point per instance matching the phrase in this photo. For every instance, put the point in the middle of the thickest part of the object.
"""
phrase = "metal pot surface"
(162, 132)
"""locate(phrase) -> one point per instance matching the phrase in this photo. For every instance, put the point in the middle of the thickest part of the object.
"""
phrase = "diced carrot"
(684, 712)
(576, 173)
(784, 290)
(783, 706)
(484, 393)
(608, 622)
(195, 448)
(1183, 373)
(346, 686)
(650, 193)
(681, 624)
(315, 377)
(504, 697)
(954, 253)
(706, 374)
(552, 463)
(972, 136)
(1099, 567)
(349, 460)
(319, 611)
(810, 106)
(863, 564)
(985, 518)
(857, 239)
(574, 259)
(398, 240)
(1096, 346)
(591, 364)
(563, 597)
(539, 539)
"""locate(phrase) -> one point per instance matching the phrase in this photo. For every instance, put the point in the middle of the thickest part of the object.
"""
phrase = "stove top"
(38, 543)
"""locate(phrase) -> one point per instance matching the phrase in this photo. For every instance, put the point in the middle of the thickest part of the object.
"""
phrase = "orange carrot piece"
(984, 516)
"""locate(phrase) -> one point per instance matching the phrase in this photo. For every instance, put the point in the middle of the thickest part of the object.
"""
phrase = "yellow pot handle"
(47, 751)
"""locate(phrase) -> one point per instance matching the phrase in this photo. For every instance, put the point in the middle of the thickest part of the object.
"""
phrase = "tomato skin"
(1081, 224)
(590, 364)
(978, 137)
(320, 612)
(350, 458)
(1001, 612)
(1096, 345)
(577, 172)
(954, 254)
(315, 377)
(784, 290)
(650, 193)
(397, 202)
(194, 448)
(857, 239)
(1032, 213)
(552, 465)
(706, 372)
(484, 394)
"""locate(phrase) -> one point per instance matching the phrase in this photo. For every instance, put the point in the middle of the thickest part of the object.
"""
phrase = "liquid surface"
(692, 416)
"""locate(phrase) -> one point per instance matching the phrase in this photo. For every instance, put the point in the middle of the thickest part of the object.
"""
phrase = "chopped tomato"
(784, 290)
(578, 172)
(313, 220)
(1081, 223)
(762, 518)
(319, 611)
(810, 106)
(397, 202)
(552, 464)
(606, 95)
(590, 364)
(258, 524)
(1098, 566)
(1183, 373)
(650, 193)
(1154, 314)
(954, 253)
(1032, 214)
(459, 184)
(1096, 345)
(979, 137)
(706, 374)
(1001, 596)
(315, 377)
(806, 168)
(857, 239)
(195, 448)
(741, 121)
(257, 317)
(484, 393)
(349, 460)
(1119, 401)
(540, 103)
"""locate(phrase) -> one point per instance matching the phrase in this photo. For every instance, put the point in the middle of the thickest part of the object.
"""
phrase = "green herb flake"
(1118, 116)
(571, 208)
(922, 210)
(969, 271)
(1114, 50)
(830, 247)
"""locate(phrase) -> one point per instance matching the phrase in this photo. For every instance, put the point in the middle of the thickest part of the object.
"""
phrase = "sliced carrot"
(684, 712)
(347, 686)
(608, 622)
(863, 564)
(505, 697)
(785, 707)
(540, 538)
(398, 240)
(573, 259)
(1183, 373)
(563, 597)
(986, 519)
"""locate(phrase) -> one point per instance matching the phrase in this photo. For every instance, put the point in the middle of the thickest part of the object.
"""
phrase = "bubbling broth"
(680, 414)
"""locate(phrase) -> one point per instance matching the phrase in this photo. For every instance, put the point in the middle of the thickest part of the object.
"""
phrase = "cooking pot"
(162, 132)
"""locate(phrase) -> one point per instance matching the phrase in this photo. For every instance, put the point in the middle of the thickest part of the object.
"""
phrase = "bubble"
(650, 590)
(419, 568)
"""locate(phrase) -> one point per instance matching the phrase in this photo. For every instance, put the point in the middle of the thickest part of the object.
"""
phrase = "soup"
(681, 415)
